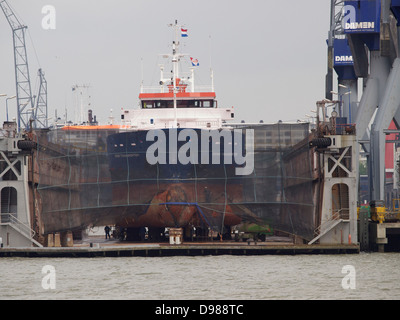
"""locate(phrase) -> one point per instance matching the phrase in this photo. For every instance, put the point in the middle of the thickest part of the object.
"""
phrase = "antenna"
(141, 69)
(82, 101)
(211, 70)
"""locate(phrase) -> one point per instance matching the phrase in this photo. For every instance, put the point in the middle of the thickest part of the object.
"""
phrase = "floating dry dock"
(163, 250)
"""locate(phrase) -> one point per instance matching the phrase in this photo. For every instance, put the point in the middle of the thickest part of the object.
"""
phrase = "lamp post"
(341, 101)
(7, 104)
(3, 95)
(347, 93)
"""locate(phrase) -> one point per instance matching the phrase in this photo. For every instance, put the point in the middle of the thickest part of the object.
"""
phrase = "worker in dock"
(107, 231)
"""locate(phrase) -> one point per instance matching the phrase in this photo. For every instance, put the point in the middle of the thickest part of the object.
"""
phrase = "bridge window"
(163, 104)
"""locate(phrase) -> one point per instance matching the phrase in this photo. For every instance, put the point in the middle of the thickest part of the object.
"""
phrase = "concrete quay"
(116, 249)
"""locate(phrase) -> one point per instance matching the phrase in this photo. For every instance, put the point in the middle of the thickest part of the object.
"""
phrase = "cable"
(34, 49)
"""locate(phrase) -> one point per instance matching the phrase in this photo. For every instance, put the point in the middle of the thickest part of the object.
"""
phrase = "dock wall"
(178, 250)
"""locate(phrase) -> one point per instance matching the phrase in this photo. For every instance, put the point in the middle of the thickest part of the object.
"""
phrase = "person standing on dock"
(107, 231)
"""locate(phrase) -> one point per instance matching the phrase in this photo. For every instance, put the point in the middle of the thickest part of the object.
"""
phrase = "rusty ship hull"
(170, 195)
(78, 185)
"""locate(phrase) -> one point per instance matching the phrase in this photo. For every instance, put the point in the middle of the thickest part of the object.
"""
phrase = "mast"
(174, 71)
(175, 59)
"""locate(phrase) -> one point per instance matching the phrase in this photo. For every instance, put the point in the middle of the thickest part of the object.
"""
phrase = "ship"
(178, 160)
(173, 163)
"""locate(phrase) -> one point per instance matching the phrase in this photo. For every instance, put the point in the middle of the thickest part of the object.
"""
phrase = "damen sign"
(361, 16)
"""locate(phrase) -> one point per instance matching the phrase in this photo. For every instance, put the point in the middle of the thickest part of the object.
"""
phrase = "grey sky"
(268, 57)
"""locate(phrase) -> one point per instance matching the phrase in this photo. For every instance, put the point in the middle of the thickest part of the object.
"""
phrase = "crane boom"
(10, 16)
(25, 103)
(41, 102)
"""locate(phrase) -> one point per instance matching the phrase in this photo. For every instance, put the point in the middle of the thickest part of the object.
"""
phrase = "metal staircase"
(8, 219)
(327, 226)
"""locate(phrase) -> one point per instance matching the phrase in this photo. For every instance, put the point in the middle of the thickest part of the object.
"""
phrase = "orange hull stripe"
(91, 127)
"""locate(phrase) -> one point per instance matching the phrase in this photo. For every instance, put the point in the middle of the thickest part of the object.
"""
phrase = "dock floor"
(97, 247)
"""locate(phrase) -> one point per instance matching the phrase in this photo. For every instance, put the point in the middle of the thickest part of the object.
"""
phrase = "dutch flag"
(195, 62)
(184, 32)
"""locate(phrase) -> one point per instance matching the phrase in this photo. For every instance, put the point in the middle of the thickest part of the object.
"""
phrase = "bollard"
(175, 236)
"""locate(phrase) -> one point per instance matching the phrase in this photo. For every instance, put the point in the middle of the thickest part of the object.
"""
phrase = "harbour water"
(354, 276)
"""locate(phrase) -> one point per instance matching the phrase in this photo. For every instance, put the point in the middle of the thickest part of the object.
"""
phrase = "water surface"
(204, 277)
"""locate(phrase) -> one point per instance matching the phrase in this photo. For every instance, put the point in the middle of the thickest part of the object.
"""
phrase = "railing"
(10, 218)
(342, 128)
(328, 225)
(335, 217)
(158, 89)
